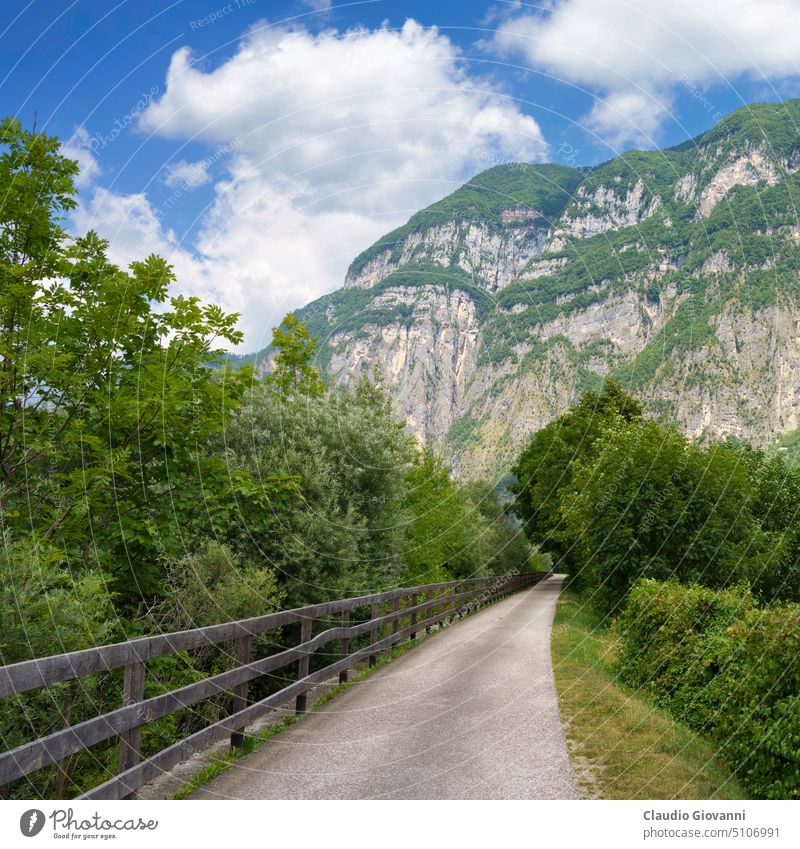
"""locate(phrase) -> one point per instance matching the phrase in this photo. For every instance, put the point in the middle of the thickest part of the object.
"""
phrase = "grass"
(254, 741)
(223, 764)
(622, 746)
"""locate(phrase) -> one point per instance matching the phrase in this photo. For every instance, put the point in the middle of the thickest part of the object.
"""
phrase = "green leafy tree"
(507, 548)
(447, 535)
(347, 454)
(650, 503)
(292, 371)
(429, 502)
(775, 505)
(545, 466)
(110, 389)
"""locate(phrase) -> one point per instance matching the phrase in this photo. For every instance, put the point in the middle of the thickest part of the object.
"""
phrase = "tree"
(507, 548)
(447, 533)
(347, 454)
(650, 503)
(775, 505)
(110, 389)
(545, 466)
(292, 371)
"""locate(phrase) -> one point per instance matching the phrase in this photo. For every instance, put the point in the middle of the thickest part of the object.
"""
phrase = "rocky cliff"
(675, 271)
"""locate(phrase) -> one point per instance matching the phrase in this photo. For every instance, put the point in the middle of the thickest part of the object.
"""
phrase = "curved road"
(468, 714)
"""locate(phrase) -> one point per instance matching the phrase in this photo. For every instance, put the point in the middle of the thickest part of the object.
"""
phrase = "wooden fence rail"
(442, 601)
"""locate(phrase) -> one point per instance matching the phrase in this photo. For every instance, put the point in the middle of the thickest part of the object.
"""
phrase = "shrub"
(211, 585)
(44, 610)
(723, 665)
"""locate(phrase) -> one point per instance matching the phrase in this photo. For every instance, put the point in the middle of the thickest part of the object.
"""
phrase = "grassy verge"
(254, 741)
(621, 745)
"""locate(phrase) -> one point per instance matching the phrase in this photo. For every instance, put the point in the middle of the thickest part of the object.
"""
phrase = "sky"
(260, 146)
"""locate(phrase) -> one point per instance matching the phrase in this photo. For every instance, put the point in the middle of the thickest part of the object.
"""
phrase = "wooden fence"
(441, 601)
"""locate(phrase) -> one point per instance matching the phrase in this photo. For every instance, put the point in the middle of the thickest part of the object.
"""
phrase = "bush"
(723, 665)
(206, 587)
(348, 456)
(211, 586)
(46, 610)
(651, 503)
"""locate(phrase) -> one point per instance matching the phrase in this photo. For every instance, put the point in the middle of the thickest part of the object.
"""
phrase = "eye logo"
(31, 822)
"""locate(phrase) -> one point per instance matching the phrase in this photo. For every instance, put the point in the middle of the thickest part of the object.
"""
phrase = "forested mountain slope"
(675, 271)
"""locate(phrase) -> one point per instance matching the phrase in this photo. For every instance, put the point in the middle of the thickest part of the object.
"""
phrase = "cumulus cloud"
(233, 261)
(330, 140)
(632, 54)
(339, 112)
(133, 227)
(628, 115)
(189, 174)
(78, 147)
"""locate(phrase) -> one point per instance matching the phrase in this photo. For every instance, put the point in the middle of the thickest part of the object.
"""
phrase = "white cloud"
(133, 228)
(336, 112)
(234, 262)
(628, 115)
(78, 147)
(331, 140)
(633, 53)
(189, 174)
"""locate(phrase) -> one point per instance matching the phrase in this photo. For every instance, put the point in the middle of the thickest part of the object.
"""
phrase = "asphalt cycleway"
(470, 713)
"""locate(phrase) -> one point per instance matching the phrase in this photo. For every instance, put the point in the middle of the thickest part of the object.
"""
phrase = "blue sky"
(261, 145)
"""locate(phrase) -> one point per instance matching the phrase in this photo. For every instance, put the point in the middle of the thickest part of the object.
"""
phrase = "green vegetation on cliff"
(543, 189)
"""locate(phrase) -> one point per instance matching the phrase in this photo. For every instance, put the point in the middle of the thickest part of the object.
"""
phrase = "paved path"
(471, 713)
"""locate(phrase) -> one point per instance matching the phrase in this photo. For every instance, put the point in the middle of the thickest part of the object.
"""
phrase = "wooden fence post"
(130, 742)
(60, 748)
(396, 618)
(344, 645)
(303, 664)
(373, 634)
(239, 700)
(62, 767)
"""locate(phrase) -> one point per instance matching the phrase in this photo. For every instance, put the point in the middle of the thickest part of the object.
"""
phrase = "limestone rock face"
(427, 361)
(677, 272)
(604, 208)
(493, 257)
(747, 170)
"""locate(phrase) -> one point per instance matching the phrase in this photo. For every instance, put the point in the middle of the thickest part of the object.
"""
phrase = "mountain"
(675, 271)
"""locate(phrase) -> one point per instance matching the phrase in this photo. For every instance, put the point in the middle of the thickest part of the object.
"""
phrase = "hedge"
(722, 665)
